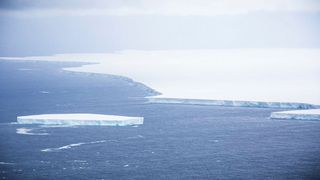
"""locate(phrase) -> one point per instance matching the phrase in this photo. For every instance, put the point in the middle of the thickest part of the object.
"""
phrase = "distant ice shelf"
(80, 119)
(262, 75)
(311, 114)
(288, 105)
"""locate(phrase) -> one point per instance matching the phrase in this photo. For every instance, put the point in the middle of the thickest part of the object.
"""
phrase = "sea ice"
(80, 119)
(311, 114)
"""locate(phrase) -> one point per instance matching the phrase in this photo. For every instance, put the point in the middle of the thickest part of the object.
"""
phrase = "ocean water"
(175, 141)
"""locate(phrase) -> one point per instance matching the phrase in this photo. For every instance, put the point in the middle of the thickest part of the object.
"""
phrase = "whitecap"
(80, 161)
(69, 146)
(27, 131)
(6, 163)
(135, 137)
(24, 69)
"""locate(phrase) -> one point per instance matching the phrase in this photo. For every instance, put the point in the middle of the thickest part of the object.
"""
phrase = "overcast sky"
(36, 27)
(152, 7)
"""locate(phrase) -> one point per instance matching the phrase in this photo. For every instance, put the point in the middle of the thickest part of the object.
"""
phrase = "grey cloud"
(62, 4)
(45, 8)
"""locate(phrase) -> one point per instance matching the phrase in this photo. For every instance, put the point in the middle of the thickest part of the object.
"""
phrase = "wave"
(27, 131)
(6, 163)
(69, 146)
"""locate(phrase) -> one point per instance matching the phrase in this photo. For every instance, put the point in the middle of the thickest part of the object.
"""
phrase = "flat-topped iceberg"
(80, 119)
(311, 114)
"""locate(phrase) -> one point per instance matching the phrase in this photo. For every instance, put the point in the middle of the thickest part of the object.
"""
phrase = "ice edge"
(261, 104)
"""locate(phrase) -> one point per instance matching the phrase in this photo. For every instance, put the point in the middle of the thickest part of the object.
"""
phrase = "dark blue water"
(175, 141)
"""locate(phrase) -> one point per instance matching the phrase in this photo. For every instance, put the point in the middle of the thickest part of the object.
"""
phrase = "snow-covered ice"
(310, 114)
(260, 75)
(80, 119)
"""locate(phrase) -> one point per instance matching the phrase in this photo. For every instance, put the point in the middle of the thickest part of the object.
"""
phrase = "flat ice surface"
(310, 114)
(80, 119)
(264, 75)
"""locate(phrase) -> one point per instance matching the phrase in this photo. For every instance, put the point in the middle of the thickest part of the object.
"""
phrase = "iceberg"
(311, 114)
(288, 105)
(80, 119)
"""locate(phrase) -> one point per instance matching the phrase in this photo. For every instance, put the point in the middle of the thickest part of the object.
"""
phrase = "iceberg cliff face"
(287, 105)
(312, 114)
(80, 119)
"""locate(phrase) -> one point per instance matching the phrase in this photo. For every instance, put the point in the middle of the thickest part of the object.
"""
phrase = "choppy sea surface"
(175, 141)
